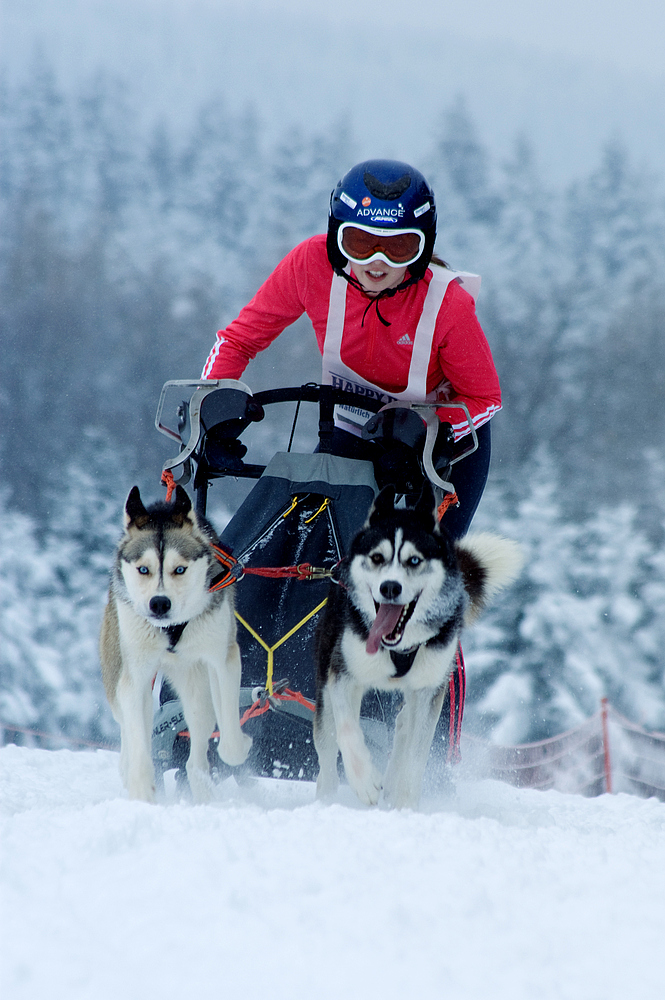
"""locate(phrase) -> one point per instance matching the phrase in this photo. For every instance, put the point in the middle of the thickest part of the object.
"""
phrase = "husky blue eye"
(414, 561)
(143, 570)
(179, 570)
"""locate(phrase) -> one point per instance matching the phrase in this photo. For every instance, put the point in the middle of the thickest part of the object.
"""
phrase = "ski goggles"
(360, 244)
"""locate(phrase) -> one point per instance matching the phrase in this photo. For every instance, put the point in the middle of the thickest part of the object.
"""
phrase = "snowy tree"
(467, 164)
(31, 670)
(304, 169)
(577, 626)
(617, 238)
(524, 307)
(53, 586)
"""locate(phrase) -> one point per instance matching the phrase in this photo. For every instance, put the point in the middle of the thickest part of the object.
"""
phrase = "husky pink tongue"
(386, 619)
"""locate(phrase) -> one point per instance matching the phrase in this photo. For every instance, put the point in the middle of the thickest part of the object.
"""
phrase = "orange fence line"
(58, 737)
(518, 765)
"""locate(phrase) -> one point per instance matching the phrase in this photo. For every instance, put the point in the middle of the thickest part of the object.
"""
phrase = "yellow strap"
(270, 650)
(322, 507)
(294, 501)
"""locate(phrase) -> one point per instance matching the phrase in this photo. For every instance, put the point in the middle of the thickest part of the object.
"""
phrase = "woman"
(391, 320)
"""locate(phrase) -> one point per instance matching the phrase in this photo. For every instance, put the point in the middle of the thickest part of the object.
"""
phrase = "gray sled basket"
(303, 509)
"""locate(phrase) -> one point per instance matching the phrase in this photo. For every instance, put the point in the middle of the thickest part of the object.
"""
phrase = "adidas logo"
(406, 339)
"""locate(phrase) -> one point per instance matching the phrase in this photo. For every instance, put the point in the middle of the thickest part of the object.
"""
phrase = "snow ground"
(492, 892)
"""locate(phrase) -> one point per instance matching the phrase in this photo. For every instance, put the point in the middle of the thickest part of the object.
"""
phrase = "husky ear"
(383, 506)
(182, 505)
(135, 512)
(425, 508)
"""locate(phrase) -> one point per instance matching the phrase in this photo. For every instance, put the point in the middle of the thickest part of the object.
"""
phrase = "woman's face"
(375, 276)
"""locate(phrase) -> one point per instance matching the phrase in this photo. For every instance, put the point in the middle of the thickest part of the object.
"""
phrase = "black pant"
(468, 476)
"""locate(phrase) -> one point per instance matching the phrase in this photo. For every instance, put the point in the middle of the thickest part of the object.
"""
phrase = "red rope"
(236, 571)
(450, 500)
(263, 703)
(301, 571)
(169, 482)
(289, 695)
(258, 707)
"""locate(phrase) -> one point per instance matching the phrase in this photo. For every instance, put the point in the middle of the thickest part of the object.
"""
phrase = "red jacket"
(460, 358)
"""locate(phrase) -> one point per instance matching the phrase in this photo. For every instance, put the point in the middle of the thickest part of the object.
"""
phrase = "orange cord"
(262, 705)
(169, 482)
(450, 500)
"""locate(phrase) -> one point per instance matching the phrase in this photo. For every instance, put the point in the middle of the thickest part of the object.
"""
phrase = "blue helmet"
(384, 195)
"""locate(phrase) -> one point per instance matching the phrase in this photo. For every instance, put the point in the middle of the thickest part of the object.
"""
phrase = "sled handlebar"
(219, 410)
(203, 388)
(239, 405)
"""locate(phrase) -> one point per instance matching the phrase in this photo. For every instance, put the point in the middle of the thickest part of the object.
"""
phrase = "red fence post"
(606, 744)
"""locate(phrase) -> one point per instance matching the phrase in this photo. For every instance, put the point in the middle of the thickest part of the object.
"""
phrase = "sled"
(284, 542)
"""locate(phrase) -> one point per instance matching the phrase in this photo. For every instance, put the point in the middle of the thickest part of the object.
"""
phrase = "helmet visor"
(361, 244)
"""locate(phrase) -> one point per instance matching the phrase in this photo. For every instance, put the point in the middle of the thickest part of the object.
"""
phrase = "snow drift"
(490, 892)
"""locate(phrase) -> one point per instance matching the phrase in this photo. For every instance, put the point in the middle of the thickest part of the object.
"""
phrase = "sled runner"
(284, 542)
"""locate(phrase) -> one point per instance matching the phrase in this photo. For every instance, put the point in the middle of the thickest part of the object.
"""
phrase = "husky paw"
(401, 797)
(234, 752)
(367, 786)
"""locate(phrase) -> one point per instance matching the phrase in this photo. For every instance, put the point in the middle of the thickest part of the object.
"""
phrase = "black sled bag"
(303, 509)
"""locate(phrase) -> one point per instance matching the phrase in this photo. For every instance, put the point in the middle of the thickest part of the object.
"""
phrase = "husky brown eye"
(377, 559)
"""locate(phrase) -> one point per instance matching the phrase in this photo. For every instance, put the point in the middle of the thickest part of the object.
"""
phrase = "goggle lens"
(359, 245)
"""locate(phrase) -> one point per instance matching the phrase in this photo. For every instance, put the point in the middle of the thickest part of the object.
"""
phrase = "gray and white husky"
(162, 615)
(405, 592)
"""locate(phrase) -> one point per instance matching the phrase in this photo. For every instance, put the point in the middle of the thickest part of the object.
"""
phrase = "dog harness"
(403, 661)
(174, 633)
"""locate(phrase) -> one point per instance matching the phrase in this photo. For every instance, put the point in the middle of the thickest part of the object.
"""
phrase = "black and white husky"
(405, 593)
(162, 615)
